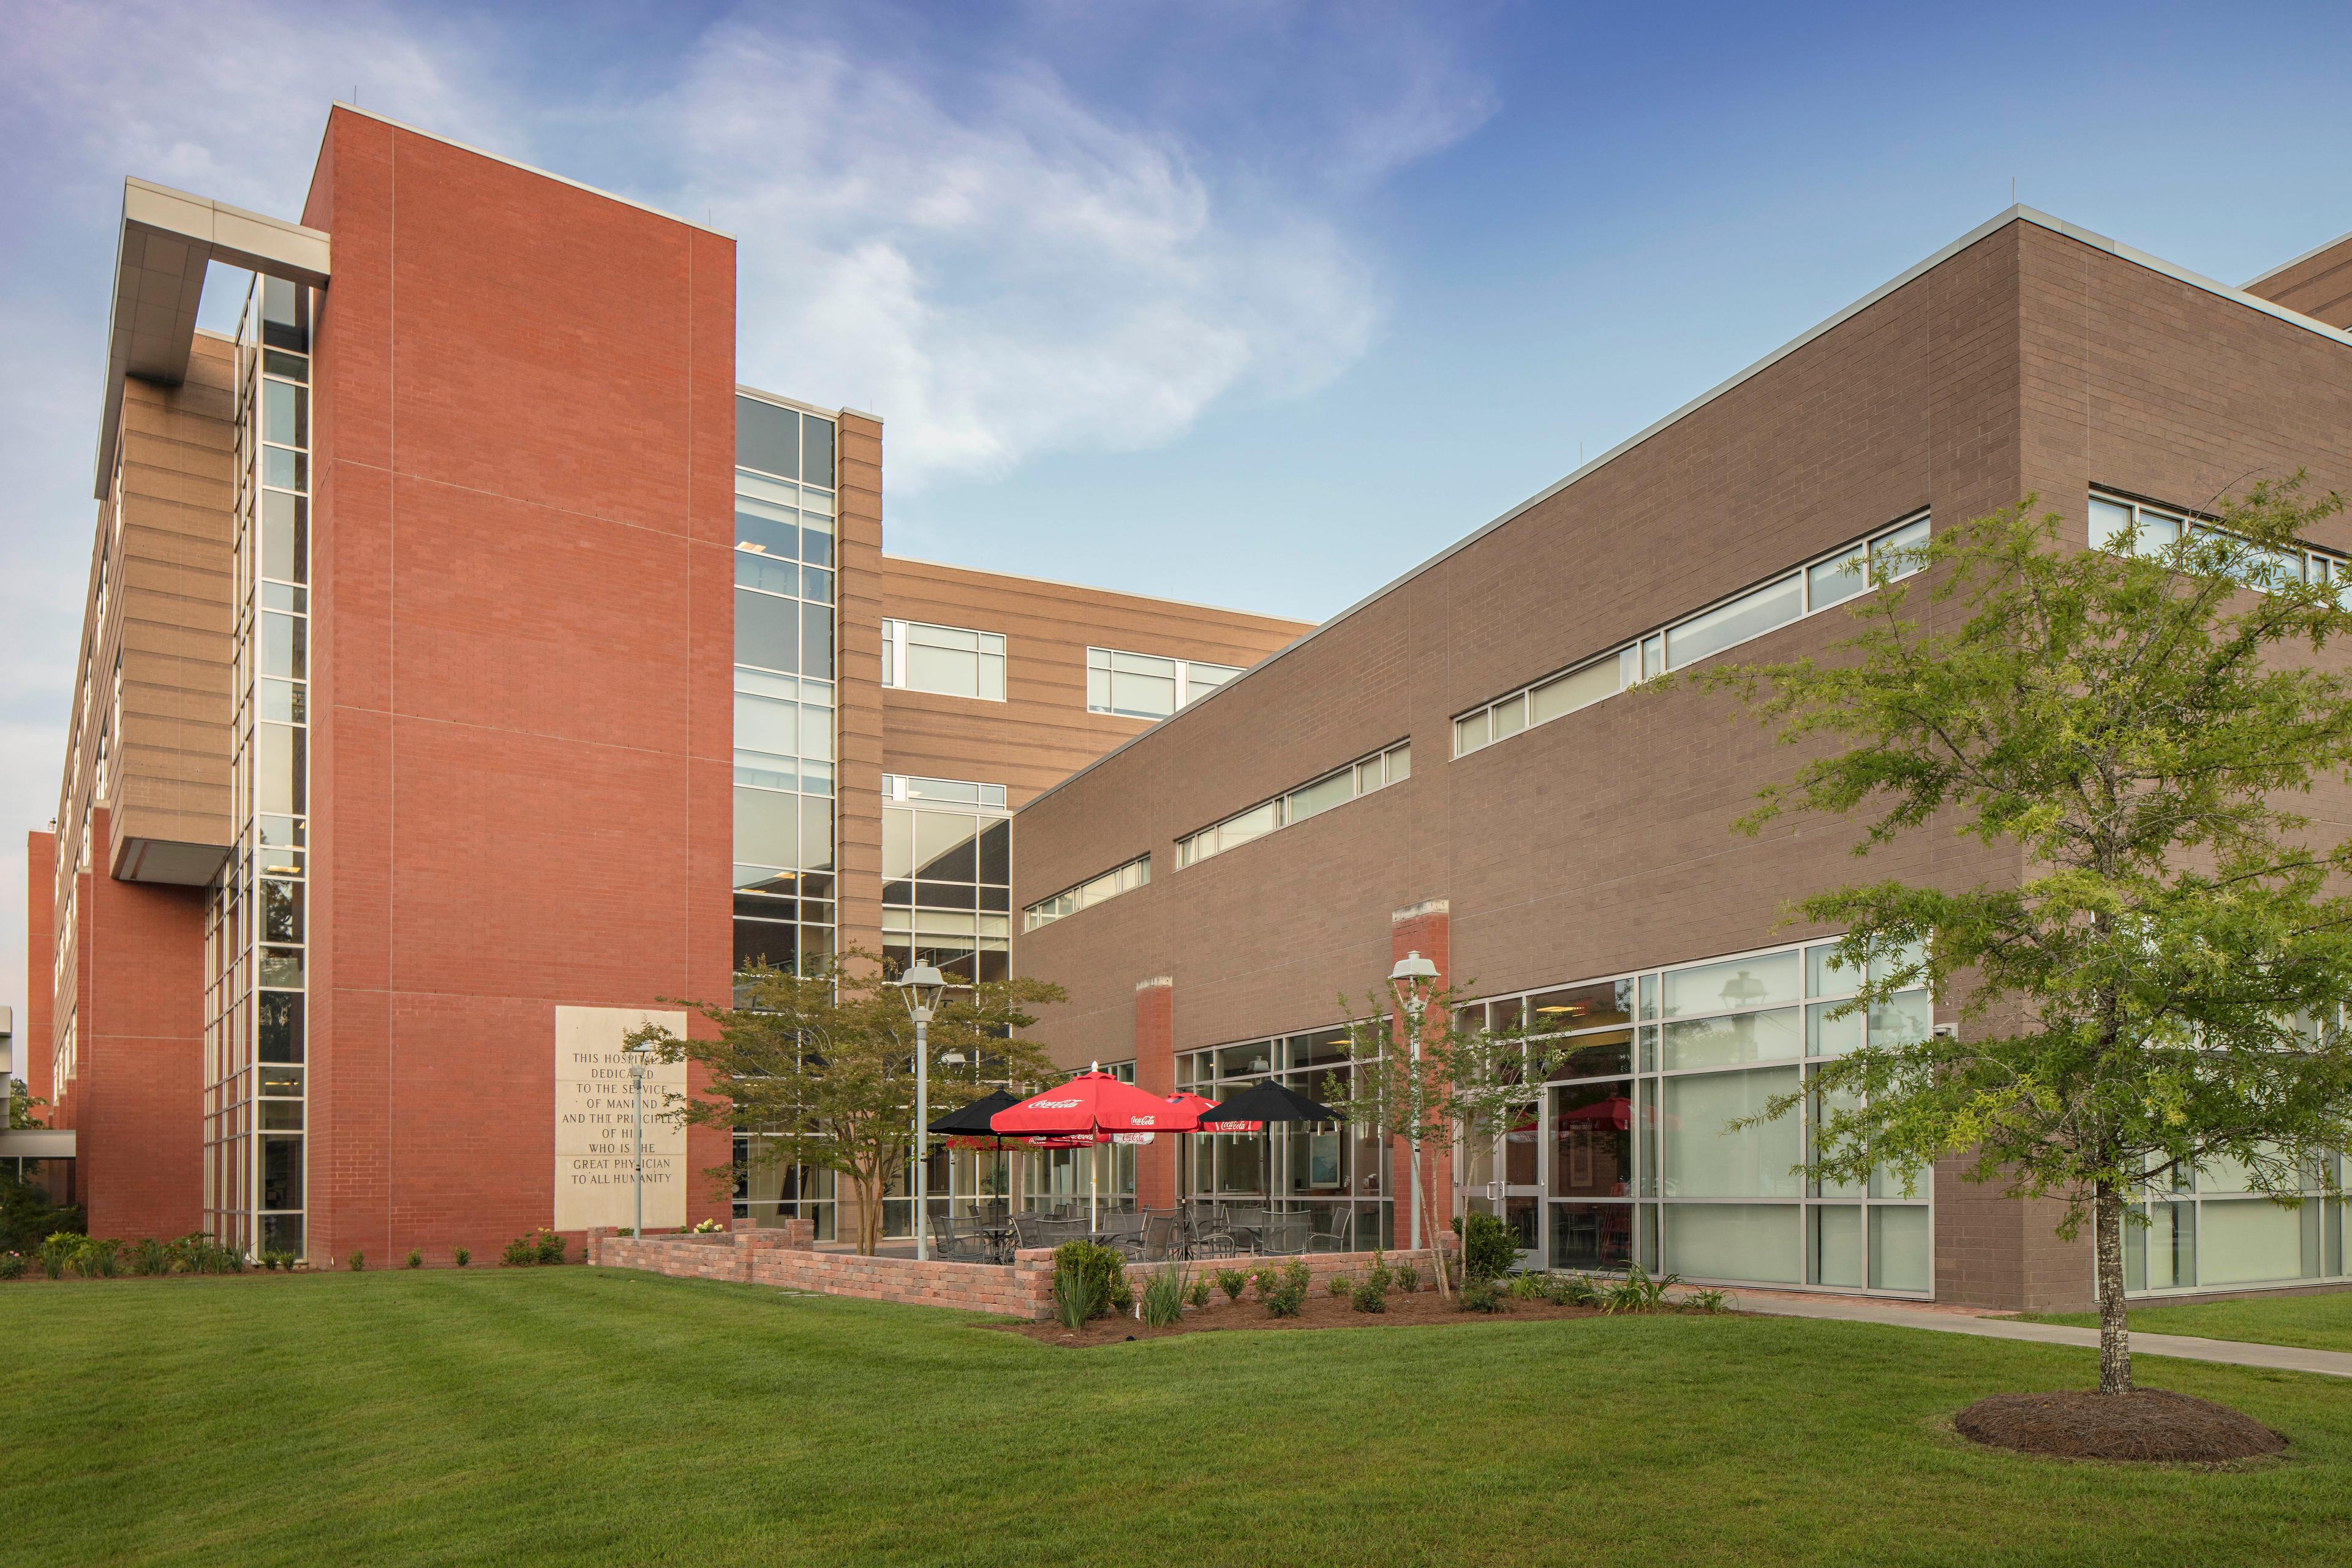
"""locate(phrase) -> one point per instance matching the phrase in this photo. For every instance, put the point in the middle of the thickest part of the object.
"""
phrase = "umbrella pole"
(1094, 1180)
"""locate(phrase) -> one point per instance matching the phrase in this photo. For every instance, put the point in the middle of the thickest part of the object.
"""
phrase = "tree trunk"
(2114, 1336)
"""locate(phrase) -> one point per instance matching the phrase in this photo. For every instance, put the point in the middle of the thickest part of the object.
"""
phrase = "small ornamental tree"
(2160, 986)
(1466, 1082)
(821, 1067)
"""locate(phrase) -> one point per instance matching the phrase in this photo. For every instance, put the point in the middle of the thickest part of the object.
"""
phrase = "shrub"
(96, 1259)
(357, 1262)
(1198, 1294)
(1579, 1290)
(1233, 1282)
(415, 1258)
(1380, 1273)
(519, 1253)
(1529, 1287)
(1284, 1289)
(461, 1256)
(1712, 1301)
(1637, 1292)
(269, 1259)
(1408, 1279)
(1479, 1296)
(196, 1253)
(1339, 1285)
(549, 1245)
(1163, 1296)
(1490, 1249)
(1105, 1274)
(1373, 1295)
(284, 1258)
(148, 1257)
(12, 1266)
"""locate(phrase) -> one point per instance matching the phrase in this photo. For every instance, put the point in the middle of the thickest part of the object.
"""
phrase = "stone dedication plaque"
(595, 1178)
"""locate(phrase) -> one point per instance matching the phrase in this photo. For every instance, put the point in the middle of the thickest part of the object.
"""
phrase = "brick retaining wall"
(785, 1256)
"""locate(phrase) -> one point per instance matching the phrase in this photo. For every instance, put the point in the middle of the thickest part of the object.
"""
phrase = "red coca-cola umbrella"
(1088, 1106)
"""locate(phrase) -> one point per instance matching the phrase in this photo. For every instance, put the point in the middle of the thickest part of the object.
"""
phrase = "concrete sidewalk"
(1955, 1321)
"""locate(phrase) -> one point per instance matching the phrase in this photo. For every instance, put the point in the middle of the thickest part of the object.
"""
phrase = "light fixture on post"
(1412, 981)
(921, 985)
(641, 1057)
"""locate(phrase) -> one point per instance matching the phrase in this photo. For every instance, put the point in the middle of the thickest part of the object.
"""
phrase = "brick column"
(1422, 928)
(1155, 1071)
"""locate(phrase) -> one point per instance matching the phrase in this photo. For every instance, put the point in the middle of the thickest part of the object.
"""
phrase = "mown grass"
(580, 1415)
(2313, 1322)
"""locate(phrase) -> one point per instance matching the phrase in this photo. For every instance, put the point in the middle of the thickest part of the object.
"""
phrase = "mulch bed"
(1323, 1311)
(2145, 1424)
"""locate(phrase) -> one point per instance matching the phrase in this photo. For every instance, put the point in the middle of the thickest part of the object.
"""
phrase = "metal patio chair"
(1338, 1233)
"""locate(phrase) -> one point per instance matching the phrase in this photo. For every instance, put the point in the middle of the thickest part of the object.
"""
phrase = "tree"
(822, 1066)
(2161, 985)
(21, 1106)
(1467, 1081)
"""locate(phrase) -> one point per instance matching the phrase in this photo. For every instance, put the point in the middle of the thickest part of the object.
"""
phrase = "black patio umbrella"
(971, 1121)
(1266, 1103)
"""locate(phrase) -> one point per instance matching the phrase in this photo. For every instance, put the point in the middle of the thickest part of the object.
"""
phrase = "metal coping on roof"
(2319, 249)
(2017, 214)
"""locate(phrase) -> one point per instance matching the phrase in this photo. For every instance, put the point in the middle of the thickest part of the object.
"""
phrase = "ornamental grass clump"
(1163, 1296)
(148, 1257)
(1103, 1275)
(1637, 1292)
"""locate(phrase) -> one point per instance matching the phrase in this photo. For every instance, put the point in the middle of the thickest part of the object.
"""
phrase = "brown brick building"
(1561, 844)
(471, 662)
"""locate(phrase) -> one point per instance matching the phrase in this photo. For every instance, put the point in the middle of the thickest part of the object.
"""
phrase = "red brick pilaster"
(1155, 1070)
(1422, 928)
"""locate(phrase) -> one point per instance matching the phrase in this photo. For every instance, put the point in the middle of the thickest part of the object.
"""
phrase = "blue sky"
(1253, 303)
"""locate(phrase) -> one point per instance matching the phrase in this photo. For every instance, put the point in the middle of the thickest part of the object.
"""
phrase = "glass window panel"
(1510, 716)
(1653, 655)
(1703, 1159)
(765, 941)
(766, 573)
(1594, 1055)
(285, 414)
(281, 1016)
(767, 631)
(1905, 1018)
(1825, 976)
(282, 967)
(816, 450)
(285, 314)
(1592, 1236)
(1582, 1007)
(816, 643)
(1470, 732)
(996, 853)
(1098, 690)
(816, 583)
(769, 438)
(281, 911)
(816, 542)
(951, 672)
(285, 537)
(1901, 1257)
(1830, 583)
(1200, 680)
(763, 724)
(766, 528)
(992, 677)
(2246, 1241)
(816, 834)
(286, 469)
(1833, 1246)
(945, 845)
(1592, 1140)
(1888, 551)
(2110, 522)
(1578, 688)
(1143, 695)
(1776, 1035)
(1828, 1036)
(282, 1173)
(277, 783)
(285, 645)
(1771, 981)
(1254, 824)
(1749, 616)
(1321, 796)
(283, 700)
(817, 733)
(1734, 1241)
(766, 828)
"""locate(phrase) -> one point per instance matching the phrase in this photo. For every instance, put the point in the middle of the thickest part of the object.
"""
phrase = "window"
(783, 752)
(1310, 799)
(1144, 685)
(2120, 527)
(946, 877)
(948, 660)
(1809, 590)
(1086, 895)
(1638, 1152)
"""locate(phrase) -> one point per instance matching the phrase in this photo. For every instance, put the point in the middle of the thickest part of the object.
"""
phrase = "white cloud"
(948, 232)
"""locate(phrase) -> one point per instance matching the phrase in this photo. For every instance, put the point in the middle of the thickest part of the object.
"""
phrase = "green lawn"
(580, 1415)
(2314, 1323)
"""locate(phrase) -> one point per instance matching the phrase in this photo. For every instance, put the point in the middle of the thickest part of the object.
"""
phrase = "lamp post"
(640, 1060)
(921, 986)
(1411, 981)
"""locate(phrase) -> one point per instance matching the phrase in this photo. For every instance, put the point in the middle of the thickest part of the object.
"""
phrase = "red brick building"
(463, 675)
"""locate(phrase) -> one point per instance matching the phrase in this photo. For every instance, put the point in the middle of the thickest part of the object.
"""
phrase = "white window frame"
(1391, 764)
(989, 647)
(1648, 655)
(1193, 680)
(1124, 878)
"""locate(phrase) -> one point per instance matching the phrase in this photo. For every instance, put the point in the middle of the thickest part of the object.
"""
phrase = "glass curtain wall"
(785, 642)
(1629, 1155)
(256, 926)
(1339, 1174)
(946, 877)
